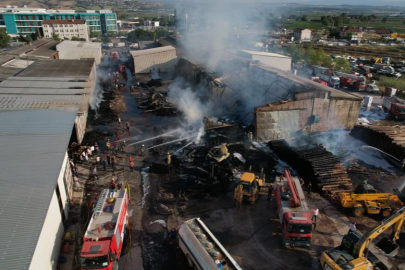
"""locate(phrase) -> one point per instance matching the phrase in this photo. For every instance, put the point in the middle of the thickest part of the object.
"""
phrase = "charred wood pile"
(314, 163)
(390, 139)
(153, 101)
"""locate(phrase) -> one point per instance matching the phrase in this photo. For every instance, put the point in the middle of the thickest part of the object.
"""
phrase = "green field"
(392, 24)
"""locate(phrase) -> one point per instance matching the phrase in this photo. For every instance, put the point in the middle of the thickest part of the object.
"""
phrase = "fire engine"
(294, 214)
(395, 107)
(351, 81)
(106, 231)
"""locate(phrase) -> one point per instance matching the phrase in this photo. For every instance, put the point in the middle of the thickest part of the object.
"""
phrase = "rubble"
(153, 101)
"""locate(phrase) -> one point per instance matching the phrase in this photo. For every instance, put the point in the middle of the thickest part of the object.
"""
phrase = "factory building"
(162, 59)
(35, 182)
(269, 59)
(26, 20)
(77, 50)
(53, 83)
(66, 29)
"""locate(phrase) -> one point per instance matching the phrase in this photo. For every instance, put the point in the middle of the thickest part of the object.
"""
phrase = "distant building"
(151, 23)
(162, 59)
(302, 34)
(353, 34)
(275, 60)
(384, 32)
(77, 50)
(26, 20)
(66, 29)
(128, 23)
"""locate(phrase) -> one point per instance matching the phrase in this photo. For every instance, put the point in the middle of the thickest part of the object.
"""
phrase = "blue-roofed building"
(24, 20)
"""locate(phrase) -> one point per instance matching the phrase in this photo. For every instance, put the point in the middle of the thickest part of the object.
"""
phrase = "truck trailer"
(102, 241)
(395, 107)
(203, 251)
(294, 214)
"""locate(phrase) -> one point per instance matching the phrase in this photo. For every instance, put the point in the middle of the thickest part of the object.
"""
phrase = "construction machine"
(366, 199)
(249, 187)
(354, 251)
(293, 211)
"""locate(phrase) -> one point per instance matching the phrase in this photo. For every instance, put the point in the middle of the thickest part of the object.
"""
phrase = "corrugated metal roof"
(30, 102)
(25, 49)
(265, 54)
(59, 68)
(41, 91)
(45, 51)
(81, 44)
(33, 146)
(43, 84)
(60, 79)
(152, 51)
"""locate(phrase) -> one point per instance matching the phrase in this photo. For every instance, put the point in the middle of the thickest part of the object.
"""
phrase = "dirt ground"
(251, 234)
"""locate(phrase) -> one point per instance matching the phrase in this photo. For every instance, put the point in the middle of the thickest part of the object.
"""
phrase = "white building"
(66, 29)
(34, 199)
(79, 50)
(162, 59)
(302, 34)
(151, 23)
(275, 60)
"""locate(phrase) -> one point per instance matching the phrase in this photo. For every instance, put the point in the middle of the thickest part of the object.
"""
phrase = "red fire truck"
(294, 214)
(351, 81)
(106, 231)
(395, 107)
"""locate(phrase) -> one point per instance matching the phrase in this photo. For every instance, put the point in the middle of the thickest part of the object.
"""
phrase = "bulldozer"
(367, 199)
(249, 187)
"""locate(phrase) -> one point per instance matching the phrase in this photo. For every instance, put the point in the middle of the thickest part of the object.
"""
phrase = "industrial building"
(302, 34)
(162, 59)
(66, 29)
(270, 59)
(53, 83)
(34, 198)
(26, 20)
(77, 50)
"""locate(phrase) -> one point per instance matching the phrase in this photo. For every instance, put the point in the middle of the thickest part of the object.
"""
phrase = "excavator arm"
(395, 221)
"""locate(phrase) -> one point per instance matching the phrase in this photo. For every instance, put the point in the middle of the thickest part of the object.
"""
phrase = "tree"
(384, 19)
(95, 34)
(55, 37)
(304, 18)
(34, 36)
(4, 38)
(342, 64)
(78, 39)
(106, 40)
(139, 35)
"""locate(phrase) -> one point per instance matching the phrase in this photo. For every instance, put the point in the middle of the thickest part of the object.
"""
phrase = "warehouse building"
(270, 59)
(162, 59)
(53, 83)
(35, 181)
(78, 50)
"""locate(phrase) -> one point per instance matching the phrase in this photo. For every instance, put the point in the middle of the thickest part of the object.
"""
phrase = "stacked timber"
(390, 139)
(314, 163)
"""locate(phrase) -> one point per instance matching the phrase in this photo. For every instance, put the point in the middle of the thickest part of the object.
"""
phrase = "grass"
(391, 24)
(391, 82)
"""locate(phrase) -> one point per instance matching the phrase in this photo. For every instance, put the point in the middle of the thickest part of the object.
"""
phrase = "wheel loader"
(249, 187)
(366, 199)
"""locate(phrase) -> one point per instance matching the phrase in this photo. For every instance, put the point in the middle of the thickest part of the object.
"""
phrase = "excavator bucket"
(389, 247)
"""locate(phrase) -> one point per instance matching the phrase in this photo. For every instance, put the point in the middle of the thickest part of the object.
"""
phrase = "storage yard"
(164, 163)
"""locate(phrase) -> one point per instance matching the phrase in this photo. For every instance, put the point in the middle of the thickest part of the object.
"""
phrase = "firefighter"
(108, 144)
(250, 136)
(143, 149)
(169, 161)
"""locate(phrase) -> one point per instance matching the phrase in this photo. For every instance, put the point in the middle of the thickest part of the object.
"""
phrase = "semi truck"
(395, 107)
(293, 211)
(102, 241)
(202, 249)
(326, 75)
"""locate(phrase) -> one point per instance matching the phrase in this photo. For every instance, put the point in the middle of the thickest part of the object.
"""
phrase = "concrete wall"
(163, 61)
(77, 53)
(80, 125)
(48, 246)
(281, 121)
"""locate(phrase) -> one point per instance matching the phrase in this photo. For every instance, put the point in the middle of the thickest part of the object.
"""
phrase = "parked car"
(372, 88)
(401, 70)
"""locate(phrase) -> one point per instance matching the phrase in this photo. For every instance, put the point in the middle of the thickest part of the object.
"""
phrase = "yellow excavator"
(249, 187)
(354, 251)
(366, 199)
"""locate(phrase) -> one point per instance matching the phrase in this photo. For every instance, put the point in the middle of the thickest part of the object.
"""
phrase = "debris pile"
(153, 101)
(390, 139)
(314, 163)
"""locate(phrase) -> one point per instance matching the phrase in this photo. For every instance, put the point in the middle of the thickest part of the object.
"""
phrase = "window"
(71, 25)
(77, 30)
